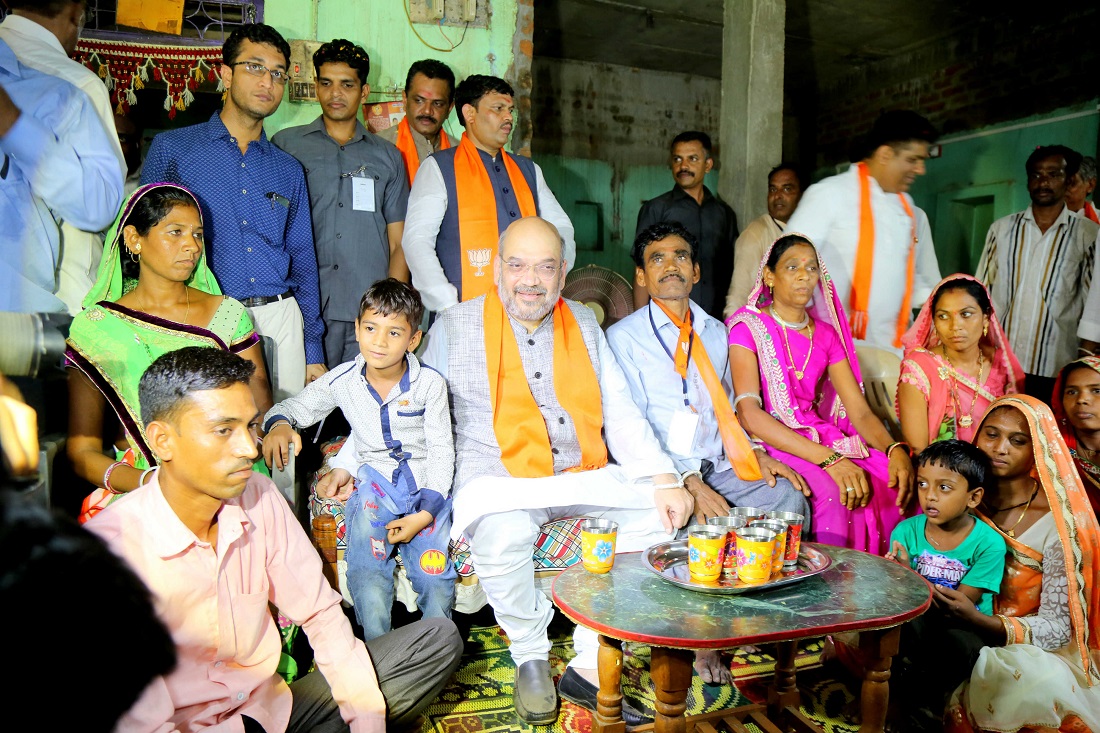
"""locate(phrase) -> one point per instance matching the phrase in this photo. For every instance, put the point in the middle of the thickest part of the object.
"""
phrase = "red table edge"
(678, 642)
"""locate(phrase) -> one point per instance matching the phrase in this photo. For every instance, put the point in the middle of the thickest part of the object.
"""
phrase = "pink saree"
(956, 401)
(811, 407)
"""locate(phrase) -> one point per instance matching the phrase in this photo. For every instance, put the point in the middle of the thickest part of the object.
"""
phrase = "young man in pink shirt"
(216, 543)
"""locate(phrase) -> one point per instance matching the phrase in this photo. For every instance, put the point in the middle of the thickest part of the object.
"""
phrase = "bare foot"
(712, 668)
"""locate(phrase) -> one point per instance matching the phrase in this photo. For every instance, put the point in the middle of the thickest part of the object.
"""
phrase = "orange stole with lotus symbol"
(517, 421)
(477, 215)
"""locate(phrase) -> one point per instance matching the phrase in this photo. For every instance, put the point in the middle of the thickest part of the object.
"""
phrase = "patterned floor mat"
(479, 697)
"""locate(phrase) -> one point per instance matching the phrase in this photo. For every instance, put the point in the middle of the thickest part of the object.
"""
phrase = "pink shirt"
(215, 603)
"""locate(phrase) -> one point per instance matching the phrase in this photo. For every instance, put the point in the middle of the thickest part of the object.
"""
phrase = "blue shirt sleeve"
(61, 147)
(157, 165)
(303, 269)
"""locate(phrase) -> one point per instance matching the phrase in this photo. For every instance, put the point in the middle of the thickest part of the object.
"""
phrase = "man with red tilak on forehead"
(464, 197)
(876, 243)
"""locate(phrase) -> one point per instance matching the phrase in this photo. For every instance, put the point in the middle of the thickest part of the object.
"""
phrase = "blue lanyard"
(691, 344)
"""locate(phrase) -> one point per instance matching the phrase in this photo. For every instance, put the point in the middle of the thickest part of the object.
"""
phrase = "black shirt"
(714, 224)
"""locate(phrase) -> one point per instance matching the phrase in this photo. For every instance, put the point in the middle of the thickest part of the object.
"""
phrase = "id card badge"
(362, 193)
(681, 432)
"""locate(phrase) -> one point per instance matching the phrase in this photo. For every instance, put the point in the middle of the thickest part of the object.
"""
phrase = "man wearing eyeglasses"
(43, 36)
(465, 196)
(540, 406)
(357, 190)
(1038, 264)
(255, 205)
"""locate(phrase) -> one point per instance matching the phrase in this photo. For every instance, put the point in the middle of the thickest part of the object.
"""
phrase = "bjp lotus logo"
(480, 258)
(433, 562)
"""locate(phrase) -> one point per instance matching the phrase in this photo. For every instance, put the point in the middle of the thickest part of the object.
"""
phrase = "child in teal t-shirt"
(946, 544)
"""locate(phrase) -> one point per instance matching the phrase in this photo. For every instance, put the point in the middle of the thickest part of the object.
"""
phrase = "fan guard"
(605, 291)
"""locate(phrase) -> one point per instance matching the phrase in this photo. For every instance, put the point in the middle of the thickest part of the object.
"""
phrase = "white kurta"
(828, 214)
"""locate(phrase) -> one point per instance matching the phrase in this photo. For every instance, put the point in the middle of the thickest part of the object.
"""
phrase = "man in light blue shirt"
(680, 410)
(56, 163)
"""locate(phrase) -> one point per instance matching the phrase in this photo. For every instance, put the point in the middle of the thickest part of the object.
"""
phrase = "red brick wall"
(998, 71)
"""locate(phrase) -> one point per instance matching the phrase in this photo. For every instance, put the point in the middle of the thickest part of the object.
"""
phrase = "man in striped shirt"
(1038, 264)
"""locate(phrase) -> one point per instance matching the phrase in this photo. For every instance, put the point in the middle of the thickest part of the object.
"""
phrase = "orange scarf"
(407, 146)
(738, 450)
(860, 297)
(477, 215)
(1090, 212)
(519, 426)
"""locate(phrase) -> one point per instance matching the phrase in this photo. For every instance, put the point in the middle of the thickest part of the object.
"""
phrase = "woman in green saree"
(175, 302)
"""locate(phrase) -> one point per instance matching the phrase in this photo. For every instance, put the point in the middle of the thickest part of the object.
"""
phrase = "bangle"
(107, 475)
(278, 422)
(760, 447)
(835, 458)
(144, 474)
(685, 476)
(750, 395)
(890, 449)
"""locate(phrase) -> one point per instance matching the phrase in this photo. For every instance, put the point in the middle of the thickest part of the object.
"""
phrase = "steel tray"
(669, 561)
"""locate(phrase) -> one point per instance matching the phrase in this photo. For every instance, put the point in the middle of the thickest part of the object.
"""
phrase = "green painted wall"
(981, 178)
(381, 27)
(604, 209)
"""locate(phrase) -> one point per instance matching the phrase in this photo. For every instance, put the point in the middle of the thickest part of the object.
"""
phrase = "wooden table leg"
(878, 648)
(671, 672)
(783, 691)
(609, 699)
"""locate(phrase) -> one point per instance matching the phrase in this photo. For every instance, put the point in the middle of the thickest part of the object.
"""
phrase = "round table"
(859, 592)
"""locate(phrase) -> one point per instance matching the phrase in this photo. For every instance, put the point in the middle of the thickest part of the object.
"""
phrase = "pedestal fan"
(605, 291)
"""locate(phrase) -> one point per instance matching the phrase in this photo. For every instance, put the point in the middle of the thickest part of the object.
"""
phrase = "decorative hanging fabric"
(126, 67)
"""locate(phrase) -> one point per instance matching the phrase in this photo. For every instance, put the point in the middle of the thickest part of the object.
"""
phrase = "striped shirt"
(1039, 282)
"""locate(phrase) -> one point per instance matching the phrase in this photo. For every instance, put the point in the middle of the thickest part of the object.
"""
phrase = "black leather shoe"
(534, 696)
(579, 691)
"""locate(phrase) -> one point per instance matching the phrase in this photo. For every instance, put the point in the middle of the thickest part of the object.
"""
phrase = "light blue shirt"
(56, 163)
(658, 389)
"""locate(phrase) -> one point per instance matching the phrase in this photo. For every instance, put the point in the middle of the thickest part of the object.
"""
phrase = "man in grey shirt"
(358, 192)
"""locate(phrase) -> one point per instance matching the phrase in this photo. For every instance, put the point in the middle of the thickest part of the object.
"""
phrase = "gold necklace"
(798, 373)
(967, 419)
(1011, 531)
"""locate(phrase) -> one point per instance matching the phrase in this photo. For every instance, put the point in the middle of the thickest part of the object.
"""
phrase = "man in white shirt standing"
(464, 197)
(43, 35)
(1038, 264)
(876, 243)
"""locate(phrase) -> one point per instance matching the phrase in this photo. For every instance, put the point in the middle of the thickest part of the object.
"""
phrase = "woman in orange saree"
(1039, 671)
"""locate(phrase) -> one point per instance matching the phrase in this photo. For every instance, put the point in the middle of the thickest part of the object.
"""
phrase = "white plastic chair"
(881, 369)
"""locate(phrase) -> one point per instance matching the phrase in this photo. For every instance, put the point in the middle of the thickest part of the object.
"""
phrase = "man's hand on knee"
(708, 502)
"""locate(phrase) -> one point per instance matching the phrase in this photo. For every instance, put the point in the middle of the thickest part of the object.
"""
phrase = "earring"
(134, 255)
(985, 330)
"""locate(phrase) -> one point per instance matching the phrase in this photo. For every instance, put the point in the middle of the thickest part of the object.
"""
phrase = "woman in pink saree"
(957, 361)
(797, 387)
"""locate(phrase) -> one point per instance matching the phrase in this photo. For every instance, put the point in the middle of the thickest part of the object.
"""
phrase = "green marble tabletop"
(859, 591)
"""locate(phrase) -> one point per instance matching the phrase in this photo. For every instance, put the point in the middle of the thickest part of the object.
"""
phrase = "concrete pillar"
(519, 76)
(751, 135)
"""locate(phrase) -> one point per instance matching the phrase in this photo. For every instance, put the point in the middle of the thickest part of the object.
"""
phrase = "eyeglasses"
(277, 75)
(543, 270)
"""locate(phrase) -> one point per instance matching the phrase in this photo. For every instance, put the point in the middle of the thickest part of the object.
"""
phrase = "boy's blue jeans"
(371, 559)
